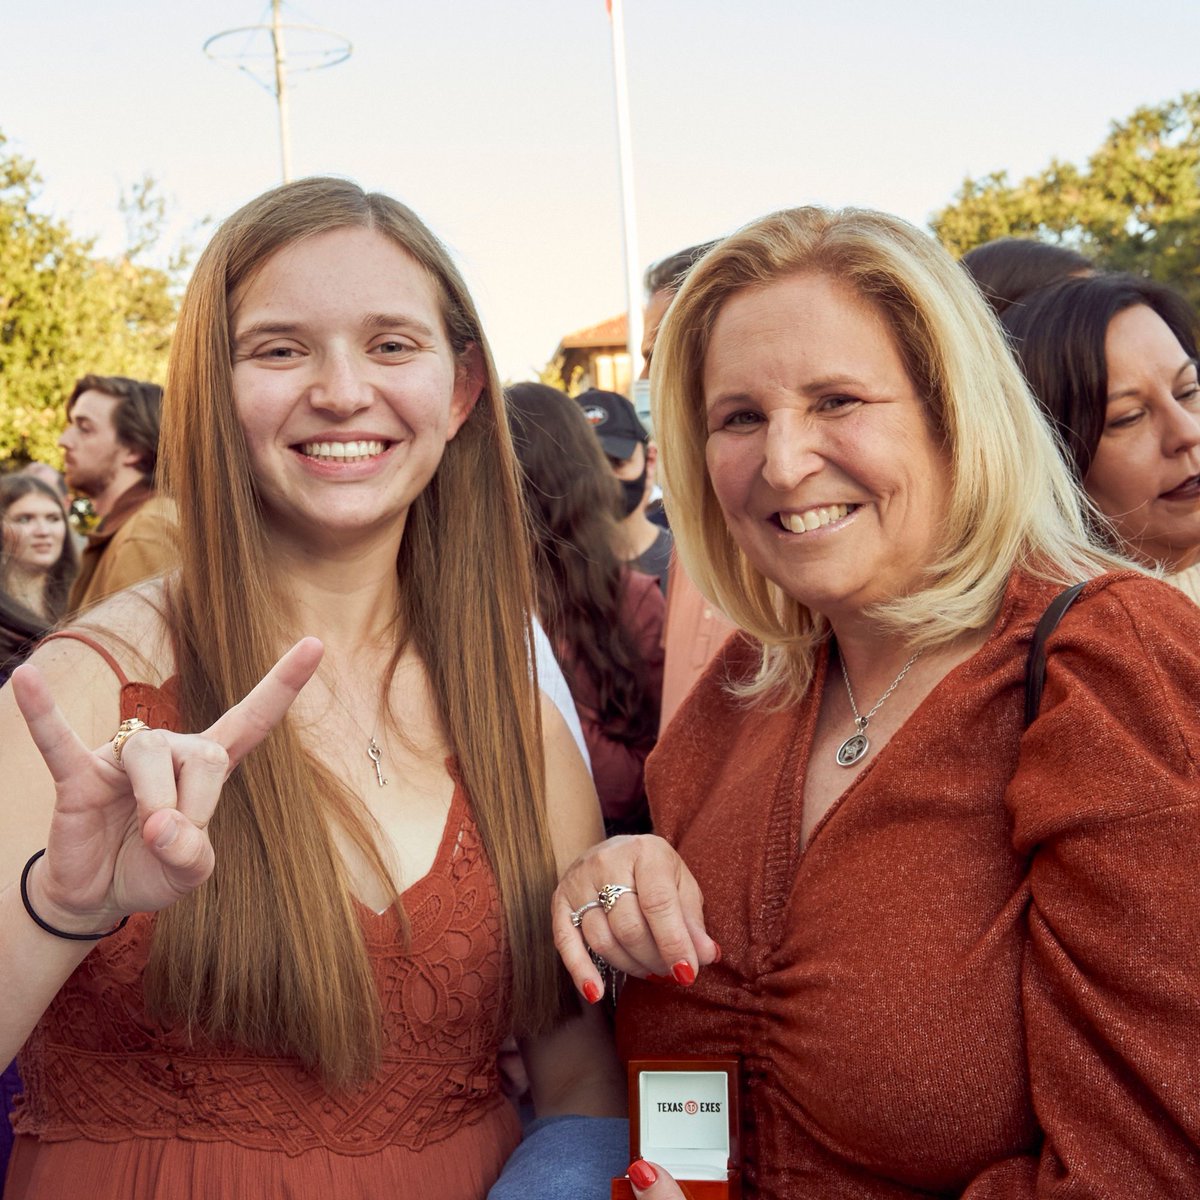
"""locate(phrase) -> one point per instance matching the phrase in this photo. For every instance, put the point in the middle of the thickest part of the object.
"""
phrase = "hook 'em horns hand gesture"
(132, 838)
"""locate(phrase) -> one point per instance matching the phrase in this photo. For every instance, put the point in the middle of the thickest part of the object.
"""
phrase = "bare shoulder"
(572, 809)
(131, 626)
(127, 632)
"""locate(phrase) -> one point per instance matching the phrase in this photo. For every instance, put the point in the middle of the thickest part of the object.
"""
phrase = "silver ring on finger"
(610, 893)
(125, 731)
(577, 915)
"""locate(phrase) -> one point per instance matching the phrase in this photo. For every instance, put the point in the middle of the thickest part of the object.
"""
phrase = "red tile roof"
(613, 332)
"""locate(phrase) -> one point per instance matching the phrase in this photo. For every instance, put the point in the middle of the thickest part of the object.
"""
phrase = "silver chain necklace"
(373, 751)
(856, 745)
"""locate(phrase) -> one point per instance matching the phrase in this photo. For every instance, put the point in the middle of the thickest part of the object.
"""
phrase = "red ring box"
(683, 1115)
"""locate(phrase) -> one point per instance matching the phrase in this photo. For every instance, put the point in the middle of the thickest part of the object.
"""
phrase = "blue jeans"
(566, 1156)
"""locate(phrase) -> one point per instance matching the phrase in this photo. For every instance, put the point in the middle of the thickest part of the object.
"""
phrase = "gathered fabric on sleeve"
(1106, 805)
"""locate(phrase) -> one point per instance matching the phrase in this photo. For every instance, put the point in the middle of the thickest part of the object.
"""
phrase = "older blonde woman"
(958, 954)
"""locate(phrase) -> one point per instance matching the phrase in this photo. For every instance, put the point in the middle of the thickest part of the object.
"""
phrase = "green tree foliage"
(1134, 207)
(65, 311)
(552, 376)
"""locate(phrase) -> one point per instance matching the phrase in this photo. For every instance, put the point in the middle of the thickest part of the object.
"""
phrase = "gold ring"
(125, 731)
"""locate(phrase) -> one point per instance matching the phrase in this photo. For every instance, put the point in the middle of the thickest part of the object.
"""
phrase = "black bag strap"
(1035, 666)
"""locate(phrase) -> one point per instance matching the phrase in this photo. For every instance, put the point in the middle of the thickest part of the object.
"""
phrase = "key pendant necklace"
(855, 747)
(374, 753)
(376, 756)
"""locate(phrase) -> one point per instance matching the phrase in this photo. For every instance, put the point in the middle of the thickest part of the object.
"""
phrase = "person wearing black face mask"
(633, 456)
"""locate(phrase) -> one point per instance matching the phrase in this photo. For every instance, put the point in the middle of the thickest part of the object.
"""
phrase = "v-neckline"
(455, 814)
(806, 732)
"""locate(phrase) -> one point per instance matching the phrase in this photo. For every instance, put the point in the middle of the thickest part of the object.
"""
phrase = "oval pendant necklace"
(855, 747)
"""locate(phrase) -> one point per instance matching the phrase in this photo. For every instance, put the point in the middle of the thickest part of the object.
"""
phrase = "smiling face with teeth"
(819, 448)
(346, 385)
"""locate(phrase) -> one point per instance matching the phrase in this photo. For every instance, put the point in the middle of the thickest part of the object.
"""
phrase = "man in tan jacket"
(111, 451)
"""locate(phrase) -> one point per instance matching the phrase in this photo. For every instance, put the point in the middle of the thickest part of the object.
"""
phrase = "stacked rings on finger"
(125, 731)
(605, 899)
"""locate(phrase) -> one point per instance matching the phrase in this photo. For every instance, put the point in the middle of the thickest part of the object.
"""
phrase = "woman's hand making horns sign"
(130, 836)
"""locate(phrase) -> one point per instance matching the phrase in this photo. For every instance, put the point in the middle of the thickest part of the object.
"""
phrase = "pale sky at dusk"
(495, 121)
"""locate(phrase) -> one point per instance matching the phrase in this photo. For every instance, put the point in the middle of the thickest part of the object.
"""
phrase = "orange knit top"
(981, 976)
(120, 1108)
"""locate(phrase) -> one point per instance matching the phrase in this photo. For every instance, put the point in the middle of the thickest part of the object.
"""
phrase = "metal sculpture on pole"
(318, 48)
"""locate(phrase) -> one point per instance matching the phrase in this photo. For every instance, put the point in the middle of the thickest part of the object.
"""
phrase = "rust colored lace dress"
(119, 1107)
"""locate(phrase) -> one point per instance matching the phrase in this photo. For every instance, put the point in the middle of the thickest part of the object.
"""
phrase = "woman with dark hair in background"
(604, 620)
(1112, 359)
(1009, 269)
(37, 564)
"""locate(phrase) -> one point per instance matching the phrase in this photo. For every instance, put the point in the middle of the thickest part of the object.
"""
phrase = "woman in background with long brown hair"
(37, 563)
(604, 620)
(315, 973)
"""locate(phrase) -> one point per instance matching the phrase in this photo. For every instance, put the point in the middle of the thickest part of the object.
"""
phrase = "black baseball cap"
(615, 421)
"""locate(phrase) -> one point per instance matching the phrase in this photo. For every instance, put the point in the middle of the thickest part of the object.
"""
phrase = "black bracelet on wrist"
(70, 937)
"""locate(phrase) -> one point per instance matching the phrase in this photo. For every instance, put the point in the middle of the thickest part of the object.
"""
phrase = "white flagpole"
(633, 280)
(281, 97)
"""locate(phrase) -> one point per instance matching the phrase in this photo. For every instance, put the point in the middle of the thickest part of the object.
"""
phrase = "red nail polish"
(718, 958)
(642, 1174)
(683, 973)
(592, 991)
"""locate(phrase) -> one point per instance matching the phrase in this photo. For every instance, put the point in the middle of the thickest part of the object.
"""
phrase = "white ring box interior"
(684, 1120)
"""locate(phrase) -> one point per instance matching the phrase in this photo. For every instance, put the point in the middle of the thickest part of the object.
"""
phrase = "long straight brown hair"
(269, 953)
(61, 574)
(573, 497)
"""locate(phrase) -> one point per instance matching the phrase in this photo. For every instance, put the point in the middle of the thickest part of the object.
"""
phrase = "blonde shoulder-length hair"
(270, 953)
(1012, 502)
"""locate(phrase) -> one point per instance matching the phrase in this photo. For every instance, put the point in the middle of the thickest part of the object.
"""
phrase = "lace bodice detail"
(97, 1067)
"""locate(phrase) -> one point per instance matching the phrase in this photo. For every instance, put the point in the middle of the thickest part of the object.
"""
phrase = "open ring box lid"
(683, 1115)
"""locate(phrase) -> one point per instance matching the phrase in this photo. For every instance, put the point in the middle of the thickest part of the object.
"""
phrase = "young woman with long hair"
(37, 563)
(304, 985)
(604, 620)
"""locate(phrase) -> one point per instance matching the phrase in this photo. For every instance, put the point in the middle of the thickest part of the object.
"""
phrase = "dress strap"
(71, 635)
